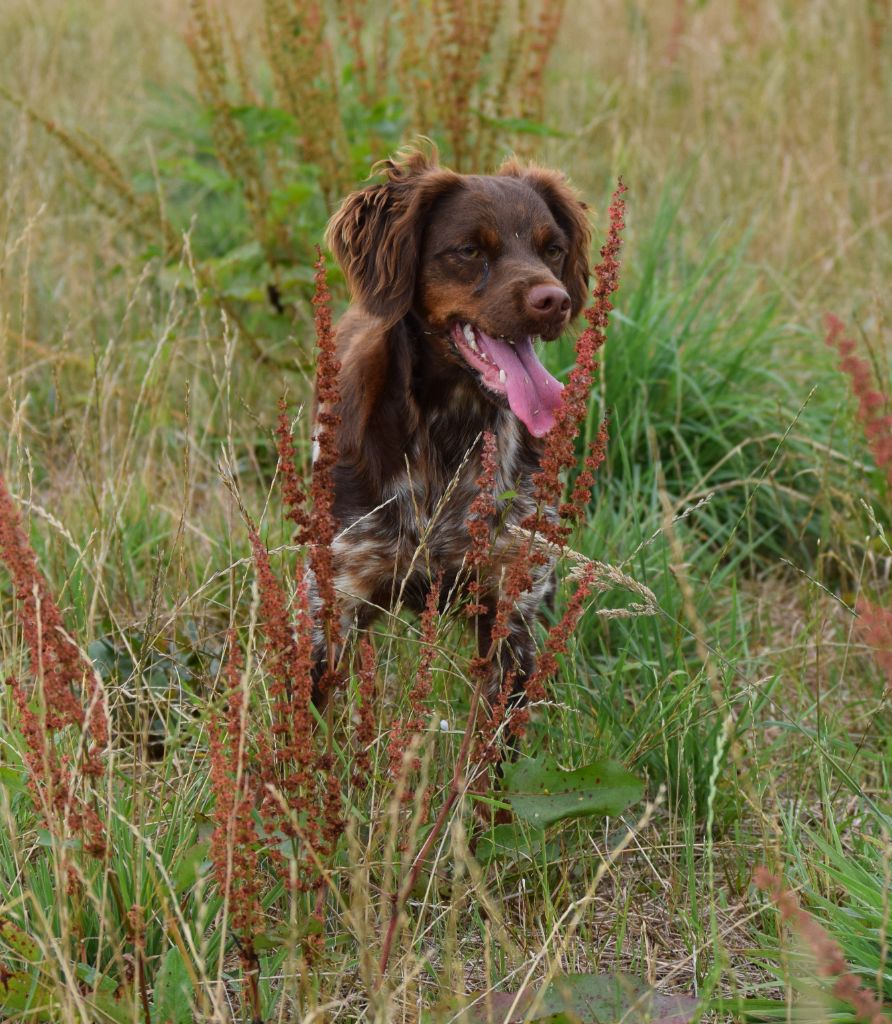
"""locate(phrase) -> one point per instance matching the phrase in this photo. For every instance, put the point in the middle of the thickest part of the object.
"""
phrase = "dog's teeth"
(468, 332)
(502, 377)
(473, 345)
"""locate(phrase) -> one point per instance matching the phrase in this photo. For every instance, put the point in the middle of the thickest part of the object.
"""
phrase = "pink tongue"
(533, 393)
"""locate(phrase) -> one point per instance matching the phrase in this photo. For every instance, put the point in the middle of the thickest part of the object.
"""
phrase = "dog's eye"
(554, 251)
(469, 252)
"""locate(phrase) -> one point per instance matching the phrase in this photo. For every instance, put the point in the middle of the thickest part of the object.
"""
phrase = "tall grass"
(141, 382)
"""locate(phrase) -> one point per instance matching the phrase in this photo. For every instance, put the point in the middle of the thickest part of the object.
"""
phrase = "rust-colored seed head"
(404, 730)
(364, 732)
(826, 951)
(874, 413)
(481, 516)
(874, 624)
(293, 495)
(61, 674)
(322, 533)
(560, 444)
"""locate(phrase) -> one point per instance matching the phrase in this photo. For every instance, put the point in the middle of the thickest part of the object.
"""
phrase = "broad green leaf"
(543, 795)
(189, 867)
(510, 841)
(172, 1000)
(18, 940)
(96, 980)
(571, 999)
(106, 1009)
(13, 779)
(284, 937)
(605, 999)
(46, 839)
(23, 996)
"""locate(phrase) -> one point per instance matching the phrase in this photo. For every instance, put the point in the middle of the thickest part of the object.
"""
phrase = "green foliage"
(571, 999)
(18, 941)
(157, 684)
(746, 696)
(847, 889)
(172, 997)
(542, 794)
(251, 165)
(699, 399)
(22, 995)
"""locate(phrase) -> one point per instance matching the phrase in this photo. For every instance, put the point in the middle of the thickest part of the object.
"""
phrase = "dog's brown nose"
(548, 301)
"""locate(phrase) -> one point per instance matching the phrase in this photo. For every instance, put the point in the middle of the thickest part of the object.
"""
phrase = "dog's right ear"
(376, 234)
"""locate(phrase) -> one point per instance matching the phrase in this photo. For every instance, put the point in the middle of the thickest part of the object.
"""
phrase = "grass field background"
(141, 364)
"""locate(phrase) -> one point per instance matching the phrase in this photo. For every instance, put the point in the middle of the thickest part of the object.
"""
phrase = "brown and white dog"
(453, 279)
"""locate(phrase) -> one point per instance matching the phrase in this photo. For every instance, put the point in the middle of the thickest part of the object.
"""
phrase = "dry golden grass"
(123, 401)
(780, 114)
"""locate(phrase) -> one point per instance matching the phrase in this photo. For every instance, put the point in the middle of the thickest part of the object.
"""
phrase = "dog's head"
(488, 264)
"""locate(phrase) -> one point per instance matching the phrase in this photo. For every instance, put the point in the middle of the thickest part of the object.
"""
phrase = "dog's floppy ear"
(376, 234)
(571, 214)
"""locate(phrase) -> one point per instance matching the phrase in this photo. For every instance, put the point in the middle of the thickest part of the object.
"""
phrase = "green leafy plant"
(571, 999)
(542, 795)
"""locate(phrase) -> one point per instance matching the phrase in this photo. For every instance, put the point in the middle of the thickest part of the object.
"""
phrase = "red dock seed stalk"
(559, 635)
(874, 622)
(364, 723)
(404, 730)
(287, 764)
(332, 826)
(299, 715)
(480, 522)
(54, 658)
(542, 41)
(235, 843)
(824, 948)
(61, 673)
(364, 731)
(585, 481)
(489, 750)
(517, 581)
(534, 688)
(559, 455)
(53, 784)
(328, 397)
(288, 661)
(293, 494)
(874, 626)
(560, 443)
(873, 406)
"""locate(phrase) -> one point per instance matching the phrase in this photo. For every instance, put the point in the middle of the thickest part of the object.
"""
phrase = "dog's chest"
(436, 494)
(418, 527)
